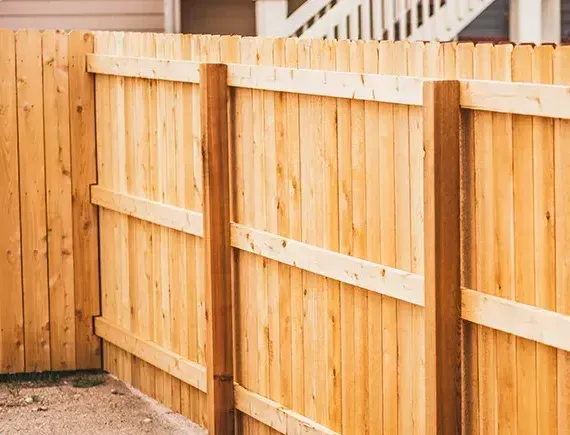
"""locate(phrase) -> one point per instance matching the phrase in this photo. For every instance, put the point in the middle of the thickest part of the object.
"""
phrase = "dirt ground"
(83, 404)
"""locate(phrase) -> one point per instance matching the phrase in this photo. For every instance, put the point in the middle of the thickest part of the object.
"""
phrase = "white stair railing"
(382, 19)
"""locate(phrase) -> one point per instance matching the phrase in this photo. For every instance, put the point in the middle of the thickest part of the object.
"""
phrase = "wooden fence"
(327, 176)
(49, 271)
(362, 211)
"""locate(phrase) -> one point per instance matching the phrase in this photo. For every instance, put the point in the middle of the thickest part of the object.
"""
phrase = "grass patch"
(87, 381)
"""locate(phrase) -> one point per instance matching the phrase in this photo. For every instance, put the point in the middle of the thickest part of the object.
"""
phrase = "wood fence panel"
(11, 297)
(50, 289)
(346, 176)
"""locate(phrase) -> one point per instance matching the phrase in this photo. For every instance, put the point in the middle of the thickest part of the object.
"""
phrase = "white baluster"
(414, 6)
(377, 20)
(353, 27)
(426, 21)
(403, 20)
(390, 18)
(365, 20)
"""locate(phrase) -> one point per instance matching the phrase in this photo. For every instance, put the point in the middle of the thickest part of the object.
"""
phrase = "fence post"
(219, 346)
(442, 257)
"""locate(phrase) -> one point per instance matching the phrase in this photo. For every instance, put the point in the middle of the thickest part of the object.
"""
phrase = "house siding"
(219, 17)
(130, 15)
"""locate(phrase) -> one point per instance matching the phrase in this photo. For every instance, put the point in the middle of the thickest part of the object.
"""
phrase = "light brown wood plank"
(470, 367)
(85, 216)
(373, 247)
(485, 227)
(524, 245)
(388, 247)
(33, 200)
(562, 234)
(416, 68)
(11, 298)
(503, 209)
(544, 241)
(59, 209)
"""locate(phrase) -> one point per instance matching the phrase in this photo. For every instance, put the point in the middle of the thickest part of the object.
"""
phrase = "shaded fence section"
(49, 277)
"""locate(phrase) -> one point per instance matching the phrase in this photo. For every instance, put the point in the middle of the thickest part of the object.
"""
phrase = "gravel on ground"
(79, 404)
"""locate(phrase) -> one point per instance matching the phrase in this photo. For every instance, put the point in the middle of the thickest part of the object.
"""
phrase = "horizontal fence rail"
(271, 413)
(551, 101)
(522, 320)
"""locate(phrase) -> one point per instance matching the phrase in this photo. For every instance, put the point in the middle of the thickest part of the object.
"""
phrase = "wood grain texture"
(58, 190)
(544, 242)
(219, 344)
(11, 297)
(85, 216)
(523, 199)
(33, 200)
(561, 63)
(442, 246)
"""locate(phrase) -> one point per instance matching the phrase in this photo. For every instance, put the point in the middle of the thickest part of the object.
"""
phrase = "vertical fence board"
(470, 367)
(344, 130)
(309, 141)
(262, 105)
(331, 241)
(524, 245)
(442, 245)
(358, 327)
(250, 282)
(172, 294)
(483, 139)
(283, 317)
(197, 46)
(388, 246)
(85, 216)
(346, 243)
(293, 140)
(33, 199)
(403, 245)
(161, 261)
(104, 179)
(59, 207)
(373, 246)
(562, 200)
(544, 242)
(189, 396)
(11, 297)
(503, 209)
(136, 245)
(416, 68)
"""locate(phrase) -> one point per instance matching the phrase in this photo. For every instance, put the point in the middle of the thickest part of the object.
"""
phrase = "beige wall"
(225, 17)
(83, 14)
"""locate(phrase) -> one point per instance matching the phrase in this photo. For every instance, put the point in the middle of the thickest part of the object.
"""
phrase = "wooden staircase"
(382, 19)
